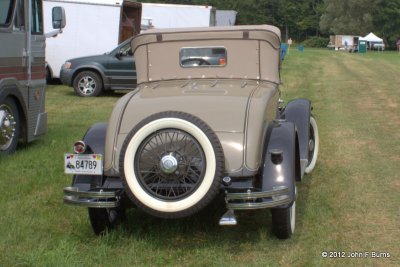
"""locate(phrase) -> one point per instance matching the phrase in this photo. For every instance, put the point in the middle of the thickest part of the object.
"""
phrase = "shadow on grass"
(199, 229)
(202, 229)
(108, 93)
(254, 226)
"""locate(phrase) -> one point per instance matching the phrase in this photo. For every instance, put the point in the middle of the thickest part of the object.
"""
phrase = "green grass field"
(350, 203)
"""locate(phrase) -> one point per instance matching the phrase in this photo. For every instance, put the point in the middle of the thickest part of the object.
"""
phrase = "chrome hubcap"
(7, 126)
(168, 164)
(87, 85)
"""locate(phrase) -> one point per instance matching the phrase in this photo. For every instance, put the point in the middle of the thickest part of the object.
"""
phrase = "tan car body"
(205, 119)
(238, 100)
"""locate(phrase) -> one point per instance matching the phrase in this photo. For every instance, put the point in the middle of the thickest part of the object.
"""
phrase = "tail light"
(79, 147)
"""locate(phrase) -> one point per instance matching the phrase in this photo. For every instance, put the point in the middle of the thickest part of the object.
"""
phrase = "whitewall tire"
(172, 164)
(313, 146)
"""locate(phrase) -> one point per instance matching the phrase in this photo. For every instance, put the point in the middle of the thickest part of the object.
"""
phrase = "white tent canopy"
(371, 38)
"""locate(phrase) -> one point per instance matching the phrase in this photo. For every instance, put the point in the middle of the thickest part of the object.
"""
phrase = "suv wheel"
(88, 83)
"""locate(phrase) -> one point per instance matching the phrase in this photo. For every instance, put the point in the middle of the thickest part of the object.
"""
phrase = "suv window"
(126, 50)
(6, 8)
(202, 56)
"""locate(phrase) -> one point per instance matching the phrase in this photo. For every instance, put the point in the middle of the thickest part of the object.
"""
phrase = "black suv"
(91, 75)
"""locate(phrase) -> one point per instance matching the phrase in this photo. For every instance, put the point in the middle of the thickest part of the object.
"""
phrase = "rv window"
(19, 21)
(6, 8)
(203, 57)
(37, 18)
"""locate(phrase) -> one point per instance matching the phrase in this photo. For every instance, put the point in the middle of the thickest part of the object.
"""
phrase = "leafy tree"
(308, 23)
(301, 19)
(386, 20)
(353, 17)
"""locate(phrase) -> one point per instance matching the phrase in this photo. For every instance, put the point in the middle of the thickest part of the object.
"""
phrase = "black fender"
(281, 159)
(94, 139)
(298, 111)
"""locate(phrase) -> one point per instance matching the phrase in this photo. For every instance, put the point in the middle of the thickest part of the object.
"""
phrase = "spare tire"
(171, 164)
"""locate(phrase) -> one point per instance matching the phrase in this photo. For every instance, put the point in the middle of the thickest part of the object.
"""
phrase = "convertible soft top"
(252, 52)
(267, 33)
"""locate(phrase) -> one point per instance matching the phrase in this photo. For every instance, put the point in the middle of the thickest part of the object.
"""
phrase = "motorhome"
(22, 71)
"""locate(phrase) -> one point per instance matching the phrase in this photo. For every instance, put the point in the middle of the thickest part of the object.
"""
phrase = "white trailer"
(177, 16)
(94, 27)
(98, 26)
(343, 42)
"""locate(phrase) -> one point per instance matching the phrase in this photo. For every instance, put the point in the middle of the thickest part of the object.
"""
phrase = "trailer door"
(131, 14)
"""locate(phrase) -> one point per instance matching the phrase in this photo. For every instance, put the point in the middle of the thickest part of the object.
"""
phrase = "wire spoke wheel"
(170, 164)
(313, 145)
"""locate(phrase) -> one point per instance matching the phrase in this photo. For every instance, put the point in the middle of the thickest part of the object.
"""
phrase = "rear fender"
(95, 140)
(298, 111)
(281, 165)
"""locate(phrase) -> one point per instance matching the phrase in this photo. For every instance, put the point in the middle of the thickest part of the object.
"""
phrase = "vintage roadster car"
(206, 118)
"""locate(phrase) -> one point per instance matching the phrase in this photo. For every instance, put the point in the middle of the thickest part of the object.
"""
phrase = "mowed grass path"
(350, 203)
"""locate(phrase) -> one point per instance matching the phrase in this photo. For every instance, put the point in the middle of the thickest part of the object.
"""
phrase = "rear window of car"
(202, 57)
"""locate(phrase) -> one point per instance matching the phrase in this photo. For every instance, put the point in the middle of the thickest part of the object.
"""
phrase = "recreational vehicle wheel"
(9, 126)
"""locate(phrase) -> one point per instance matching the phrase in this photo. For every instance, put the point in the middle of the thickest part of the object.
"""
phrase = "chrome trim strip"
(74, 191)
(89, 203)
(279, 197)
(91, 199)
(258, 205)
(255, 195)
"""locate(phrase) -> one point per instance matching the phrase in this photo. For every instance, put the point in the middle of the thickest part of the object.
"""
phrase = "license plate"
(89, 164)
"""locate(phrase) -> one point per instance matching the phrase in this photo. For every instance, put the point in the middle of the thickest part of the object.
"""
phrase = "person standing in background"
(398, 45)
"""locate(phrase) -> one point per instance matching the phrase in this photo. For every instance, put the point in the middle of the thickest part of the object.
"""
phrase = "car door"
(121, 69)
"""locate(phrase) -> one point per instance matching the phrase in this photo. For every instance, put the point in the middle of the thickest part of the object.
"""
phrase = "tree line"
(302, 19)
